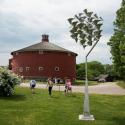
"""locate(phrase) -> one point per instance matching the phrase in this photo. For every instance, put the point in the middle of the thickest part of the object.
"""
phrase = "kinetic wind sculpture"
(86, 29)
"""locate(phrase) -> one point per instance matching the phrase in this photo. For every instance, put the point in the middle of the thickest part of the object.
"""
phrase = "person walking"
(68, 86)
(32, 85)
(50, 85)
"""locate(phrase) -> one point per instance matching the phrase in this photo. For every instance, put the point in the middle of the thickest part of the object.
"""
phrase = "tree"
(92, 71)
(109, 69)
(80, 71)
(117, 42)
(96, 68)
(8, 80)
(85, 29)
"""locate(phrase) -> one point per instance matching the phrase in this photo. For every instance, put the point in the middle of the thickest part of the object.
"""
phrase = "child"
(68, 85)
(32, 85)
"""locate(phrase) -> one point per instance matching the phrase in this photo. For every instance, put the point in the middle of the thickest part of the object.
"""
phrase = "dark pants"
(50, 90)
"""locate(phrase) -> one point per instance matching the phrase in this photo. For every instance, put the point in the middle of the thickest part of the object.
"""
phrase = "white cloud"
(101, 52)
(51, 13)
(29, 18)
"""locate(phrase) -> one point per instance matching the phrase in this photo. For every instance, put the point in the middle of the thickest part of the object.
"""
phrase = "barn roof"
(44, 46)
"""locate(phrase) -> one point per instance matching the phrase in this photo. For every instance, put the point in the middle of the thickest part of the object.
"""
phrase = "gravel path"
(102, 88)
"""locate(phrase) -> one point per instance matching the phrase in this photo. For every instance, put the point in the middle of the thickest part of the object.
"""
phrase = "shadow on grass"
(56, 97)
(70, 95)
(14, 98)
(119, 120)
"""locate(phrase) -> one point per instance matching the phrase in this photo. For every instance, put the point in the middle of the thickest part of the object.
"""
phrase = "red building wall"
(48, 60)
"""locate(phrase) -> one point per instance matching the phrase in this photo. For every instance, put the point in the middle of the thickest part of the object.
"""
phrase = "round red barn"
(44, 60)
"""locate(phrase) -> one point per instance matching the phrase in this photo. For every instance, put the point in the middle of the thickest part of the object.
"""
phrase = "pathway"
(102, 88)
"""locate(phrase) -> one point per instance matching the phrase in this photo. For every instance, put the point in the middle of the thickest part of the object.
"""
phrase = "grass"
(121, 84)
(25, 108)
(82, 82)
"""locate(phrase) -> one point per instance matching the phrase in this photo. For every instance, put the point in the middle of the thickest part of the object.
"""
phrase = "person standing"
(50, 85)
(58, 82)
(55, 80)
(32, 85)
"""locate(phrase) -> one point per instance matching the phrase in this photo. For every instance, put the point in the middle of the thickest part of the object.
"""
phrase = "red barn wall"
(48, 60)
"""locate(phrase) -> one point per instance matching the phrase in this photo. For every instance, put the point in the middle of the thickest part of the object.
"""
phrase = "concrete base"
(83, 117)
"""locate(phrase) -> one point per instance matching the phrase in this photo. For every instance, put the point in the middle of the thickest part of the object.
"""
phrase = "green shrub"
(8, 80)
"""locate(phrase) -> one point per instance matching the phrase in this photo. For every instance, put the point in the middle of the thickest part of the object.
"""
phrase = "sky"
(22, 22)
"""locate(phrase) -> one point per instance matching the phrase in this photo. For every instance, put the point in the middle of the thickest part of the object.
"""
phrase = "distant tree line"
(95, 69)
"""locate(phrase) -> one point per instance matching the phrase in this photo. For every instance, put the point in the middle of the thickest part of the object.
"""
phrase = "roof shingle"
(44, 46)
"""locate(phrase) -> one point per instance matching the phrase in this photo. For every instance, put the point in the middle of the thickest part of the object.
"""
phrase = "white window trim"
(27, 68)
(41, 68)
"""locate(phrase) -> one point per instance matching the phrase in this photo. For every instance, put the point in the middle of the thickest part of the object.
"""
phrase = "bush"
(8, 80)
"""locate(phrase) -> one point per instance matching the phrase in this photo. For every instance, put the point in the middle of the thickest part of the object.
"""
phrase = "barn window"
(41, 68)
(56, 68)
(27, 68)
(20, 69)
(40, 52)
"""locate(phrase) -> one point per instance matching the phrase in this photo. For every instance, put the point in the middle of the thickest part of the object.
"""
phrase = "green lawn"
(25, 108)
(82, 82)
(121, 84)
